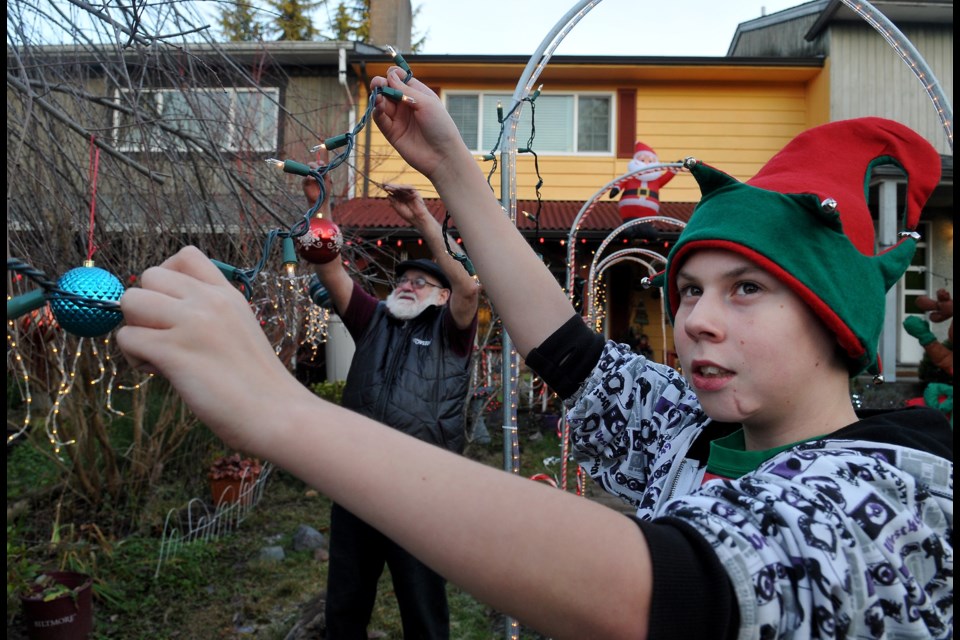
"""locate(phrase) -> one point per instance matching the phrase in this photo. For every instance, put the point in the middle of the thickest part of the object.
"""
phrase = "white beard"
(406, 309)
(636, 165)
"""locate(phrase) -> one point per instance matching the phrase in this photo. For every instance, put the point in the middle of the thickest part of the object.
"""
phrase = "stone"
(272, 554)
(307, 537)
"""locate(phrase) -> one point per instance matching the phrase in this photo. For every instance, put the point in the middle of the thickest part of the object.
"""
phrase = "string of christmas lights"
(85, 302)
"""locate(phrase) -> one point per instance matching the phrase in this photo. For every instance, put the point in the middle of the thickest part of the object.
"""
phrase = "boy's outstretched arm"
(564, 565)
(526, 295)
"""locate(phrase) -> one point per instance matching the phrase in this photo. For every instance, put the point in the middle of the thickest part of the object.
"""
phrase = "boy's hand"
(187, 323)
(421, 130)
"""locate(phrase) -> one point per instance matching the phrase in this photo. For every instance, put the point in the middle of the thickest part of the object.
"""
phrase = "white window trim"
(910, 352)
(159, 92)
(611, 95)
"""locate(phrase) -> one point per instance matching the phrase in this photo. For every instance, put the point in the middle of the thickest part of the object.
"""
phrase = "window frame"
(271, 95)
(481, 116)
(909, 352)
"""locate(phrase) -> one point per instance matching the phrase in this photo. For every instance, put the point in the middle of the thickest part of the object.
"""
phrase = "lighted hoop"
(624, 255)
(598, 266)
(588, 207)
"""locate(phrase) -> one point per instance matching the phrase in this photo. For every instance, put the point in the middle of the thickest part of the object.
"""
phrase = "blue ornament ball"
(84, 320)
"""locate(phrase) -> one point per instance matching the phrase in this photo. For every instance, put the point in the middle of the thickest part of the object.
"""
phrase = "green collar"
(729, 459)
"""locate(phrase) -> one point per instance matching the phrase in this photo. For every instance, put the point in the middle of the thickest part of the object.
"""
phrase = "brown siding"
(626, 122)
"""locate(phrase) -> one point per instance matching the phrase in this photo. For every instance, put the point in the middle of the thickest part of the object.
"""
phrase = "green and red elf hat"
(804, 219)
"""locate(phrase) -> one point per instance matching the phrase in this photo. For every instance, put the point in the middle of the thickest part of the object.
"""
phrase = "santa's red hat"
(642, 147)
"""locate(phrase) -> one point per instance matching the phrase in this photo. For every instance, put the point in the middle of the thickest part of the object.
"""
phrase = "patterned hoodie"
(848, 536)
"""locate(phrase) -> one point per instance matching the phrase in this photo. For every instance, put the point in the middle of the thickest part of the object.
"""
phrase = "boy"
(799, 535)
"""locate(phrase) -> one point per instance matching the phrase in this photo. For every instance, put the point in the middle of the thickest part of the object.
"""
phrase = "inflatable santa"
(640, 194)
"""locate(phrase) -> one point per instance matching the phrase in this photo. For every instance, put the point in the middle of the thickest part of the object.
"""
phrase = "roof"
(827, 11)
(897, 11)
(370, 216)
(288, 52)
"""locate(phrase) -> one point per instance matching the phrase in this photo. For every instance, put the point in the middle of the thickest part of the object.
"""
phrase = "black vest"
(406, 375)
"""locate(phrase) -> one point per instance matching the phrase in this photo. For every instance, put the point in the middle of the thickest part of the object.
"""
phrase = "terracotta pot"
(229, 490)
(64, 617)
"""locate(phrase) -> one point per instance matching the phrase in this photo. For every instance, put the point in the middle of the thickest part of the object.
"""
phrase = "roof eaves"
(935, 12)
(300, 52)
(776, 18)
(821, 22)
(665, 61)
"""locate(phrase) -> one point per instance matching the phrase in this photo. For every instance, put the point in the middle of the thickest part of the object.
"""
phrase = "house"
(184, 132)
(784, 72)
(733, 112)
(865, 76)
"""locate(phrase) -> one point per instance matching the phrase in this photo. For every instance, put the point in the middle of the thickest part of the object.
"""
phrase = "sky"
(613, 27)
(517, 27)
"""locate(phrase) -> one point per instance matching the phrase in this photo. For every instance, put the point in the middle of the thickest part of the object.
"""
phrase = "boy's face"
(749, 346)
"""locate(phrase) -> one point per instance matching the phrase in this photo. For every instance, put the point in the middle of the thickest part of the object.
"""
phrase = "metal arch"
(597, 267)
(588, 206)
(614, 258)
(911, 57)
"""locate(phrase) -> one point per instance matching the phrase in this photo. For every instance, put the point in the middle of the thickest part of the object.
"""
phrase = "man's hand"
(409, 205)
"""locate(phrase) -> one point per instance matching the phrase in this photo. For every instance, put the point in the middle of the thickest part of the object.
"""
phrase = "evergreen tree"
(342, 25)
(291, 21)
(239, 22)
(417, 39)
(353, 23)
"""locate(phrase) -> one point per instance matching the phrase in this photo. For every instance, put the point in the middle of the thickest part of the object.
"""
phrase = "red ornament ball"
(321, 243)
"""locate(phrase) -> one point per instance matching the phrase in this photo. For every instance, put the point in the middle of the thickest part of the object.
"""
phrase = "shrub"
(332, 391)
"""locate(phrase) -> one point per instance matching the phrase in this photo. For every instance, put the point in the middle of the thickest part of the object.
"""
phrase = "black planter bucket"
(65, 617)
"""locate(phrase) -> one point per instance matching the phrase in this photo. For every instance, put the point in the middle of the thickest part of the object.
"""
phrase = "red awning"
(369, 216)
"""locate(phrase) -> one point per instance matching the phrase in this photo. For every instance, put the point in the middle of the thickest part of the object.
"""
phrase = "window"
(565, 123)
(916, 282)
(235, 119)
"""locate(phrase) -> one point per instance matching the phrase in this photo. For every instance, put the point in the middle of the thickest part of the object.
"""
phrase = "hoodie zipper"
(676, 478)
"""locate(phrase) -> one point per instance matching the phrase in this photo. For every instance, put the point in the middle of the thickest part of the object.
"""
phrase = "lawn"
(221, 588)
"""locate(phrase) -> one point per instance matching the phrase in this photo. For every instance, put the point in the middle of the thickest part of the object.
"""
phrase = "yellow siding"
(818, 98)
(736, 126)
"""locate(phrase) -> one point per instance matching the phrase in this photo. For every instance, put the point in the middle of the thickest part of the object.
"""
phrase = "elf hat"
(804, 219)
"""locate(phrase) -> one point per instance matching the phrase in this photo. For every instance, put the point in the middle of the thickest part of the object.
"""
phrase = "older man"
(411, 370)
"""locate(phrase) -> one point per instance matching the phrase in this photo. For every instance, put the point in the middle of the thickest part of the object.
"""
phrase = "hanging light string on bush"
(51, 290)
(492, 156)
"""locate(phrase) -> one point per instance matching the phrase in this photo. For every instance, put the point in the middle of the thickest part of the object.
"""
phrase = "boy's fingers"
(193, 262)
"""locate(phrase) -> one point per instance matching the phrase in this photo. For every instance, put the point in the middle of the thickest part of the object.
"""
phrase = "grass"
(220, 589)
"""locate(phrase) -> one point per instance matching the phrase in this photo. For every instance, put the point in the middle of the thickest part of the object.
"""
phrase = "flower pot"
(230, 490)
(231, 477)
(66, 617)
